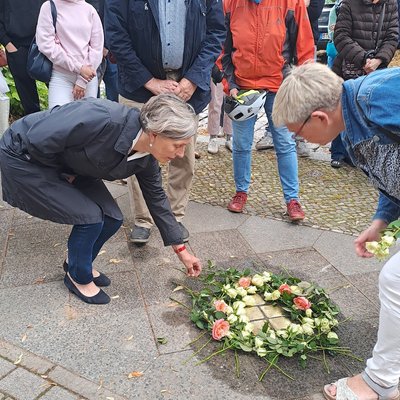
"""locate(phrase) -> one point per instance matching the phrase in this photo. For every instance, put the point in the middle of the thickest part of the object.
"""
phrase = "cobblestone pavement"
(341, 200)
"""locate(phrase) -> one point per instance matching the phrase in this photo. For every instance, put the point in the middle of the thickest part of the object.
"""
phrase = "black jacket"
(89, 139)
(314, 11)
(356, 29)
(18, 19)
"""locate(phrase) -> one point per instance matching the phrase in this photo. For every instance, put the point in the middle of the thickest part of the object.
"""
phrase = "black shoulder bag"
(38, 65)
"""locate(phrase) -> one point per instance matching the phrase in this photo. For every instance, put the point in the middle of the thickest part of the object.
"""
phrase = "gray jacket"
(89, 139)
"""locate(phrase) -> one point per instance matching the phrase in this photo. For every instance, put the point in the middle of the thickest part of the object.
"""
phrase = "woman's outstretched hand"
(372, 233)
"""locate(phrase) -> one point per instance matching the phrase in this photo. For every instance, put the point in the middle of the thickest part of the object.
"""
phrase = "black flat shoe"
(100, 281)
(99, 298)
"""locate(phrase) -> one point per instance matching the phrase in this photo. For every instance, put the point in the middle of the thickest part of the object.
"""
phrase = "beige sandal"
(343, 392)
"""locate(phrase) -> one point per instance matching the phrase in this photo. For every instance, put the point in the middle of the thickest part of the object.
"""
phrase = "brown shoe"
(238, 202)
(295, 211)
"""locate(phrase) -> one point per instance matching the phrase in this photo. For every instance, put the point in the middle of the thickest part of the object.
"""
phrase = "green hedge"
(16, 109)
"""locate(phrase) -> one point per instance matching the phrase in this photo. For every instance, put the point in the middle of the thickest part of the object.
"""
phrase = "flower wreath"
(222, 307)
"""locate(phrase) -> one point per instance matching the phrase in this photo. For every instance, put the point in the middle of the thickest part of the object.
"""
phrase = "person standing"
(165, 46)
(365, 112)
(18, 20)
(74, 46)
(263, 65)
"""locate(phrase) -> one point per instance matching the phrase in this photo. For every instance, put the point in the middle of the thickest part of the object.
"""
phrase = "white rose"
(232, 318)
(267, 296)
(245, 333)
(243, 318)
(258, 342)
(232, 293)
(251, 290)
(332, 335)
(372, 247)
(308, 321)
(241, 291)
(282, 333)
(261, 352)
(257, 280)
(249, 301)
(266, 276)
(295, 329)
(296, 290)
(229, 310)
(388, 240)
(249, 327)
(276, 294)
(309, 312)
(308, 330)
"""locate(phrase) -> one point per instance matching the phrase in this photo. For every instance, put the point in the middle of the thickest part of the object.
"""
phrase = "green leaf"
(200, 324)
(245, 347)
(220, 315)
(162, 340)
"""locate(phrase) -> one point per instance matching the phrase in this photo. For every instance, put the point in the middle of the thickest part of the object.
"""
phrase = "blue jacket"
(133, 37)
(371, 111)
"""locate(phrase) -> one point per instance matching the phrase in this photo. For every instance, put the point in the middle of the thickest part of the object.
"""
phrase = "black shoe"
(337, 163)
(99, 298)
(185, 233)
(100, 281)
(139, 235)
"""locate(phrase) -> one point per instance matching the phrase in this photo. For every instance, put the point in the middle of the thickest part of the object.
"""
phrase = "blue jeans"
(110, 79)
(285, 147)
(84, 243)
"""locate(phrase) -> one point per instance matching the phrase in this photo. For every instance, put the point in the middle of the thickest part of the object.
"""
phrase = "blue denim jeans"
(285, 147)
(84, 243)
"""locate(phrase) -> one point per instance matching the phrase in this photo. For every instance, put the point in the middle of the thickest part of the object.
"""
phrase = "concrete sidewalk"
(55, 347)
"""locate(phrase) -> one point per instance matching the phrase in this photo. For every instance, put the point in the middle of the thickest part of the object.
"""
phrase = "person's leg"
(214, 116)
(25, 85)
(110, 79)
(110, 227)
(338, 152)
(180, 179)
(243, 133)
(381, 375)
(80, 251)
(60, 88)
(285, 148)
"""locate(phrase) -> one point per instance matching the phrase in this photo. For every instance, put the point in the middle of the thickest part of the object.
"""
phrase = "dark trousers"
(25, 85)
(84, 243)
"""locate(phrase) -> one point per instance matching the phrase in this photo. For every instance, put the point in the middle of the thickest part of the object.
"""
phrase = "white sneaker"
(228, 144)
(302, 149)
(212, 147)
(265, 143)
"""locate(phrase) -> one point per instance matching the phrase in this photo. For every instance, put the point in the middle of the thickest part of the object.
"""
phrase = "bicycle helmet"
(247, 104)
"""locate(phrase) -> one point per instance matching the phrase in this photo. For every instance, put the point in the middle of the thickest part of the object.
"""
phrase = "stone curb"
(53, 374)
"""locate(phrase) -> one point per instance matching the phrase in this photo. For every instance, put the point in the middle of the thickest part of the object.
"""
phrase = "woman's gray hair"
(310, 87)
(169, 116)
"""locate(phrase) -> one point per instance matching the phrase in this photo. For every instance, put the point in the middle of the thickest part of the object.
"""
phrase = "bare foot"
(88, 290)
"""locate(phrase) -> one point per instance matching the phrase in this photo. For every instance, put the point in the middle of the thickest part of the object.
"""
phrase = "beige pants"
(180, 178)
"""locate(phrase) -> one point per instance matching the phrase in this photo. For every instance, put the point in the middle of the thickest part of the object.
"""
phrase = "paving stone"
(28, 360)
(23, 385)
(5, 366)
(206, 218)
(267, 235)
(58, 393)
(367, 283)
(345, 260)
(84, 387)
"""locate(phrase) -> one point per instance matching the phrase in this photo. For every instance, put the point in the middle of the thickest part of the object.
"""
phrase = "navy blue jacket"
(133, 37)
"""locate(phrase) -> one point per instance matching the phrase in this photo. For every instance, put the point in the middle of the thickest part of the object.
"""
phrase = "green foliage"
(16, 109)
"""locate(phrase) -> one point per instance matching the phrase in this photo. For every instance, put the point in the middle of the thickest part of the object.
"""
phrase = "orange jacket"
(263, 41)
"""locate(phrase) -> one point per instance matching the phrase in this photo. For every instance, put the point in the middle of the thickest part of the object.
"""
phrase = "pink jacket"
(79, 40)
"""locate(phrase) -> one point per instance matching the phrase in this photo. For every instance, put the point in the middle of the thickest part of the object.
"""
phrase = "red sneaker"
(238, 202)
(295, 211)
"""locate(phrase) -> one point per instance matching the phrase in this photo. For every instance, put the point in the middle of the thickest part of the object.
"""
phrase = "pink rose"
(245, 282)
(302, 303)
(220, 329)
(220, 305)
(285, 288)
